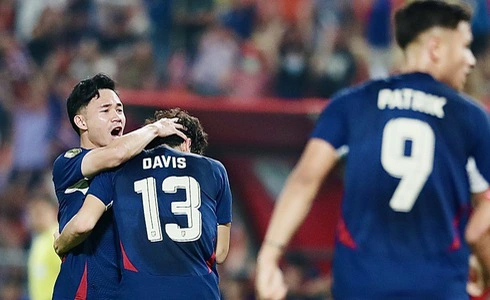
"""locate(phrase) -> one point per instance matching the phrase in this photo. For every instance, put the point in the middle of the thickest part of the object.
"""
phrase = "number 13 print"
(190, 208)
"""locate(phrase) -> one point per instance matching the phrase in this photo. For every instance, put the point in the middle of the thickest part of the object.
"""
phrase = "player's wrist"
(279, 246)
(153, 128)
(271, 252)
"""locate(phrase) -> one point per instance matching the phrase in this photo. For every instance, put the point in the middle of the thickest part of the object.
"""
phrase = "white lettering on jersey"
(162, 161)
(413, 100)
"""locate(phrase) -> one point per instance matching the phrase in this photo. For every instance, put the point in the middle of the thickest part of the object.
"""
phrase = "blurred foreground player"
(407, 193)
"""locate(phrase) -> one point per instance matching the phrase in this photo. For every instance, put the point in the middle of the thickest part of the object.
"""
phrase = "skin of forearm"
(134, 142)
(293, 206)
(481, 249)
(70, 237)
(118, 151)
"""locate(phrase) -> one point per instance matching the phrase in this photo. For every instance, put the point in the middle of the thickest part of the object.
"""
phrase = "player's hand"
(56, 235)
(167, 127)
(477, 283)
(269, 282)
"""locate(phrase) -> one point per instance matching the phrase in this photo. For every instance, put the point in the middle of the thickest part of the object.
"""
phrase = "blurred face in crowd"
(103, 119)
(42, 215)
(455, 57)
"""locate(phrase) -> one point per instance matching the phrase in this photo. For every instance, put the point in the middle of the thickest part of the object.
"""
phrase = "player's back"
(406, 198)
(167, 205)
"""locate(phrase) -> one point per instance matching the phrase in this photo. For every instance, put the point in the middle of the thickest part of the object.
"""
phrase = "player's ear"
(186, 145)
(80, 122)
(434, 47)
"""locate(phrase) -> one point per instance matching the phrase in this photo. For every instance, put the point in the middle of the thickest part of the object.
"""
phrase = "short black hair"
(83, 92)
(193, 130)
(419, 16)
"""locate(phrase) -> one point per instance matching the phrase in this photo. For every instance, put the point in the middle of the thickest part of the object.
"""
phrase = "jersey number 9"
(413, 169)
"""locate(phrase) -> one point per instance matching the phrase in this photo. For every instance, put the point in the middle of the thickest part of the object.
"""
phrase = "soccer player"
(172, 211)
(96, 113)
(407, 195)
(43, 265)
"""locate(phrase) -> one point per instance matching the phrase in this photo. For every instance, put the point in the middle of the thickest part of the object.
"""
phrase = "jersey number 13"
(189, 207)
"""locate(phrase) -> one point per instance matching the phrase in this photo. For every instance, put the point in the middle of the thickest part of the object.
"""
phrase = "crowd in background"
(239, 49)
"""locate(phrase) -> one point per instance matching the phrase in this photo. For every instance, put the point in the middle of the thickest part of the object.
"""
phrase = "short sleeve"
(332, 124)
(67, 168)
(481, 147)
(102, 187)
(224, 198)
(478, 184)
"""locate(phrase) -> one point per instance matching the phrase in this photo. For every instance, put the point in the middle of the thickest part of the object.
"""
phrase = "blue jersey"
(406, 198)
(90, 270)
(167, 205)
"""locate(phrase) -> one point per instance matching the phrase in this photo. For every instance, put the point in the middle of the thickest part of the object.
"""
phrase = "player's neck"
(418, 62)
(86, 143)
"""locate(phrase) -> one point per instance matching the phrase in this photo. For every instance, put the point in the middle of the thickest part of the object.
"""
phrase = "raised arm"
(80, 226)
(292, 207)
(122, 149)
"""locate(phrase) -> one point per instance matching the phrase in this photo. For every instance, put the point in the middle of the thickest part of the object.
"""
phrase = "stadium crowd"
(287, 49)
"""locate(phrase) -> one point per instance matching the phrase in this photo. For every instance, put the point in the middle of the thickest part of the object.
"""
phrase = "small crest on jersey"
(72, 152)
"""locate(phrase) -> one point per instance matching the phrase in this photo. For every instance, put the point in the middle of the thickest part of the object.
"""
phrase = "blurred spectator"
(191, 18)
(293, 73)
(88, 61)
(480, 27)
(120, 23)
(269, 31)
(177, 71)
(32, 131)
(28, 15)
(160, 17)
(215, 62)
(11, 290)
(43, 264)
(4, 146)
(241, 18)
(4, 125)
(333, 71)
(79, 22)
(15, 61)
(47, 34)
(138, 72)
(378, 36)
(7, 15)
(252, 73)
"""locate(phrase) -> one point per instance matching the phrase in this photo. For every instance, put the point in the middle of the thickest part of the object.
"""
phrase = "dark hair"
(193, 130)
(83, 92)
(419, 16)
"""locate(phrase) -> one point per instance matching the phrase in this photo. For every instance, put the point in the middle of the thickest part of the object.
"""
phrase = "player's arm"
(291, 209)
(127, 146)
(80, 226)
(223, 242)
(479, 223)
(478, 237)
